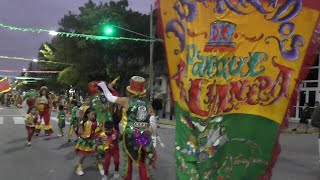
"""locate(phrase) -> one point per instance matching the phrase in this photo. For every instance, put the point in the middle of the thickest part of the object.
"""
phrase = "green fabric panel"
(250, 140)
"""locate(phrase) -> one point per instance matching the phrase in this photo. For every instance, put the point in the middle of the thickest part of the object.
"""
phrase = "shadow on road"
(65, 145)
(14, 149)
(17, 140)
(71, 155)
(51, 138)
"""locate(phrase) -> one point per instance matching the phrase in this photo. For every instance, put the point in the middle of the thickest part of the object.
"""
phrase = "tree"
(99, 60)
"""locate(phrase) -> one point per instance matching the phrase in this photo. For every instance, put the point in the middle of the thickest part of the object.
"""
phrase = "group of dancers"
(97, 134)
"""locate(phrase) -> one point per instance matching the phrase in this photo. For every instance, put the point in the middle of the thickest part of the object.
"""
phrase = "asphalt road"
(52, 158)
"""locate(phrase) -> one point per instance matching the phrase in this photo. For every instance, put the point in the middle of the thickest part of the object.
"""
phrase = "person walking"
(305, 115)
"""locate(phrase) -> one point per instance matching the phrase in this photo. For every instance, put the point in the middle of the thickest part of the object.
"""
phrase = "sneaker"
(69, 140)
(104, 177)
(295, 129)
(79, 171)
(29, 143)
(101, 170)
(116, 175)
(60, 135)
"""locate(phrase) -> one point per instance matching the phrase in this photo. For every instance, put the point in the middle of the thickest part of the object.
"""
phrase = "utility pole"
(151, 53)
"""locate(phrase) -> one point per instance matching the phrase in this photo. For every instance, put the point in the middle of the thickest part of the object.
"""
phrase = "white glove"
(111, 98)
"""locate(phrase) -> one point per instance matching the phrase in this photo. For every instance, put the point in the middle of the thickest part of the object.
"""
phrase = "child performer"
(74, 124)
(155, 136)
(61, 120)
(108, 143)
(32, 117)
(86, 144)
(84, 107)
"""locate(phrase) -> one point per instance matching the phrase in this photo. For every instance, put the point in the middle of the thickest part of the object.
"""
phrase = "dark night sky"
(37, 14)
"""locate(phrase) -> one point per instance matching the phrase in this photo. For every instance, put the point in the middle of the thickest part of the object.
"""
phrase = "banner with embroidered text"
(234, 67)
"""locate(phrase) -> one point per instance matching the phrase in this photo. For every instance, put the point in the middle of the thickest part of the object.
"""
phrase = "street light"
(108, 30)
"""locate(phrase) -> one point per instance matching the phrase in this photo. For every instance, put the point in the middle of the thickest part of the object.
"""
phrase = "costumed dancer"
(19, 104)
(61, 120)
(74, 124)
(155, 135)
(44, 104)
(84, 107)
(100, 104)
(86, 144)
(54, 98)
(31, 98)
(136, 136)
(108, 147)
(30, 121)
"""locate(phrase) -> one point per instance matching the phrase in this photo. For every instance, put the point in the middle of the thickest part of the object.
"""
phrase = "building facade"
(309, 91)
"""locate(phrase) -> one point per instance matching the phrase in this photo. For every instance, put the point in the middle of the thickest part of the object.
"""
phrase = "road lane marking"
(19, 115)
(19, 120)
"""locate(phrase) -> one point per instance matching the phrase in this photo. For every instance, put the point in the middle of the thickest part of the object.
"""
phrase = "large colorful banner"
(4, 85)
(234, 68)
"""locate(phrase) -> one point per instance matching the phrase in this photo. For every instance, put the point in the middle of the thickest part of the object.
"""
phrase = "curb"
(299, 132)
(166, 123)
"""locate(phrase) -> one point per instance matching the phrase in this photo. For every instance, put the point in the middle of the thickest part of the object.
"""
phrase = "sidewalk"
(167, 122)
(301, 130)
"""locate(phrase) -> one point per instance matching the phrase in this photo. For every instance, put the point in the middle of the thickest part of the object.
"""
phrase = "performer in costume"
(55, 99)
(86, 144)
(136, 135)
(99, 102)
(19, 104)
(155, 135)
(61, 120)
(44, 104)
(31, 98)
(74, 123)
(30, 121)
(108, 147)
(84, 107)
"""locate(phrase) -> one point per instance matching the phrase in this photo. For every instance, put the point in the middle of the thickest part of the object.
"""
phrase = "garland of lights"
(40, 72)
(86, 36)
(34, 60)
(24, 78)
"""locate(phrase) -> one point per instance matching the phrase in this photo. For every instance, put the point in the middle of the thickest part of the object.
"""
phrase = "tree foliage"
(98, 60)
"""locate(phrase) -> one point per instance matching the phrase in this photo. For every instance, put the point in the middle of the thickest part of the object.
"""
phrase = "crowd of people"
(95, 123)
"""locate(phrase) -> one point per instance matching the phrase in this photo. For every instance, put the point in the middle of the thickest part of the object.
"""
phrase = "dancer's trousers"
(143, 170)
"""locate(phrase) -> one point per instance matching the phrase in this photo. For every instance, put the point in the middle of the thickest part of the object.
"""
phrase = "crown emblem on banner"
(221, 33)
